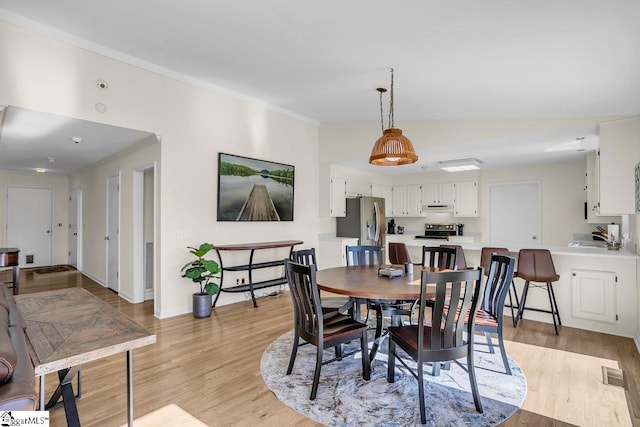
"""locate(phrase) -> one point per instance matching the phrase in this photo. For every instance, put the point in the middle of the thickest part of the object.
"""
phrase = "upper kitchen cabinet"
(466, 199)
(438, 193)
(407, 200)
(385, 192)
(593, 196)
(357, 189)
(618, 154)
(338, 197)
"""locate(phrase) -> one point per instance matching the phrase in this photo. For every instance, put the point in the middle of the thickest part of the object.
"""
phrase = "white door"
(74, 228)
(514, 215)
(113, 231)
(28, 226)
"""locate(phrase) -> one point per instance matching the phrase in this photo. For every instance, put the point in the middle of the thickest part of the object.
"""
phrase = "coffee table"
(69, 327)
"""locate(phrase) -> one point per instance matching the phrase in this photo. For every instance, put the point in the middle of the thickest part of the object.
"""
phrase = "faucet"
(600, 236)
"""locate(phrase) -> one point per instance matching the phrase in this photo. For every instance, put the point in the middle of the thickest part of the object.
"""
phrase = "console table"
(9, 258)
(251, 266)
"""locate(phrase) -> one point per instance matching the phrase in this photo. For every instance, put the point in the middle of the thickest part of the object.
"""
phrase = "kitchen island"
(597, 290)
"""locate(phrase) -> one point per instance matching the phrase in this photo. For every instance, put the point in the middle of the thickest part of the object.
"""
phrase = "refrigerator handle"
(376, 220)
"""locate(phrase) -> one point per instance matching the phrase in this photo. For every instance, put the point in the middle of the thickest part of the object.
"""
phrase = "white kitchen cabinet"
(618, 154)
(338, 197)
(466, 199)
(593, 295)
(438, 193)
(593, 193)
(385, 192)
(407, 200)
(332, 251)
(357, 189)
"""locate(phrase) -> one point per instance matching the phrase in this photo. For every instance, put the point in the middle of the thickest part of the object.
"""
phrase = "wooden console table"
(9, 258)
(68, 327)
(252, 286)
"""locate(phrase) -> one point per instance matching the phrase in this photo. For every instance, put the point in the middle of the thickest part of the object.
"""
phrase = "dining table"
(364, 283)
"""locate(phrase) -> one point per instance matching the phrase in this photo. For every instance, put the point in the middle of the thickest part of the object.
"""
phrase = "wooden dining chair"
(308, 257)
(439, 256)
(441, 337)
(490, 316)
(311, 326)
(363, 255)
(461, 260)
(372, 255)
(485, 261)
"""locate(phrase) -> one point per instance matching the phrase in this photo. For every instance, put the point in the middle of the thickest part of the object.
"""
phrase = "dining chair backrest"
(497, 286)
(398, 253)
(363, 255)
(306, 300)
(485, 256)
(461, 260)
(438, 256)
(304, 256)
(457, 299)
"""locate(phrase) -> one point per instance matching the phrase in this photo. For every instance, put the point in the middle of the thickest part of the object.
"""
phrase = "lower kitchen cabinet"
(593, 295)
(332, 251)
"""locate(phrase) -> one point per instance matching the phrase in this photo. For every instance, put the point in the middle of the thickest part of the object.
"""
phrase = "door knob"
(534, 237)
(48, 231)
(106, 237)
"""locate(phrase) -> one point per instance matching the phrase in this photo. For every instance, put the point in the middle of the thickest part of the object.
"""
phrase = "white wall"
(194, 123)
(60, 186)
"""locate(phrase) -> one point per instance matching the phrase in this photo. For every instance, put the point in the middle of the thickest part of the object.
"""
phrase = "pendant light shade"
(392, 148)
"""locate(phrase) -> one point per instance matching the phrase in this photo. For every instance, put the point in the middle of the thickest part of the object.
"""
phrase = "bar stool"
(536, 265)
(485, 262)
(398, 253)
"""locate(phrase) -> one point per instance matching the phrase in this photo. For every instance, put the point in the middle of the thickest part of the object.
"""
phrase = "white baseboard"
(95, 279)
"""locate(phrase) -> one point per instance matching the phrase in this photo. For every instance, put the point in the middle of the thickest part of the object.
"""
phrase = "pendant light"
(392, 148)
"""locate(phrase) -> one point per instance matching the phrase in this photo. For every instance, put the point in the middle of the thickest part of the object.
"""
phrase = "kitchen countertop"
(555, 250)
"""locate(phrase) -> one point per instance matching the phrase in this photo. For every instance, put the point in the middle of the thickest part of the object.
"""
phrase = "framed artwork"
(254, 190)
(638, 188)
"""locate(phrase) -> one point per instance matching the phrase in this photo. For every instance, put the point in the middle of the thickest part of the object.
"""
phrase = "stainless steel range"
(438, 231)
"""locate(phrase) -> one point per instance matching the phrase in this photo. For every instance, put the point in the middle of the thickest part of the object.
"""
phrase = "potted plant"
(203, 272)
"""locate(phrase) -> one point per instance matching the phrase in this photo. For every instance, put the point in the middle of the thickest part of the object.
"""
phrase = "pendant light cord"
(391, 103)
(381, 119)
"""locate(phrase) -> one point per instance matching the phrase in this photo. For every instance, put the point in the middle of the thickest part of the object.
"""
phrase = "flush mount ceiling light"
(41, 170)
(77, 139)
(392, 148)
(459, 165)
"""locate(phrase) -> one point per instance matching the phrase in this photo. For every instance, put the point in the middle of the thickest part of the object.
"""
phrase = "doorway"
(29, 224)
(75, 228)
(514, 214)
(112, 239)
(144, 233)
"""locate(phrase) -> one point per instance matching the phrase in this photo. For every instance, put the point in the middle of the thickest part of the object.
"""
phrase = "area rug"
(345, 399)
(54, 269)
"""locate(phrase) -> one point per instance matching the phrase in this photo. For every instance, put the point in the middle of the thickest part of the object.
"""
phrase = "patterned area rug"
(54, 269)
(345, 399)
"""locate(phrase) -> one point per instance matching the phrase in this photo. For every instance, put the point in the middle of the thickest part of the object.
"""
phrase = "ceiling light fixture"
(41, 170)
(459, 165)
(76, 139)
(392, 148)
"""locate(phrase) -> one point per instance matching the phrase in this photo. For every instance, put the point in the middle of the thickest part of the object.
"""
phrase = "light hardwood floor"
(211, 367)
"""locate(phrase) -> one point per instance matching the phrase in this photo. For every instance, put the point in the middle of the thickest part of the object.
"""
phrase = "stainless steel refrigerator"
(364, 220)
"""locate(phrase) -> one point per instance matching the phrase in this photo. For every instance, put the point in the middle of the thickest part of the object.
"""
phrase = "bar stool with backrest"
(536, 265)
(485, 261)
(398, 253)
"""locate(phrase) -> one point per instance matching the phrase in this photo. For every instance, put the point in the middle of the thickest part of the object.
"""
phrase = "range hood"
(437, 208)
